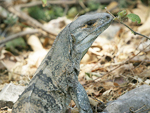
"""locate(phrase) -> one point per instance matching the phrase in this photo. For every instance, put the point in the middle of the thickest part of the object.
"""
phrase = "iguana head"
(85, 29)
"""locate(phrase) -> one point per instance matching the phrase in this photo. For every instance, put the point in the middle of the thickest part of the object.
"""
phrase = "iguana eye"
(90, 23)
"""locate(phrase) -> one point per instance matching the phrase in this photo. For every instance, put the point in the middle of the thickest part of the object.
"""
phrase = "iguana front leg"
(79, 96)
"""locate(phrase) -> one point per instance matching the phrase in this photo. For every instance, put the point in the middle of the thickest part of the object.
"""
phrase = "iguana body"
(56, 80)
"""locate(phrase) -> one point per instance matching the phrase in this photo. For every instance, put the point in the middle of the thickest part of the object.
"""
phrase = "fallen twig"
(16, 35)
(31, 21)
(34, 23)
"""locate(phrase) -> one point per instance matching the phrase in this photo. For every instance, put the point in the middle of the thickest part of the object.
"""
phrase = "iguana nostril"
(107, 17)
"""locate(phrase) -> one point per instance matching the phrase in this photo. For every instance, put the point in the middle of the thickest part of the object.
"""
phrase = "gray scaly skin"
(55, 82)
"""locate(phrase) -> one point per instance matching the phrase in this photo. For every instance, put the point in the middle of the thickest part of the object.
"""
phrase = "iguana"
(55, 82)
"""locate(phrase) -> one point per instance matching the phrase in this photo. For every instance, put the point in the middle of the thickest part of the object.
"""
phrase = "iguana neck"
(61, 51)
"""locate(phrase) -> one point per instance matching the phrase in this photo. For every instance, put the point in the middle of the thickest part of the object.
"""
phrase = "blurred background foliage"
(53, 11)
(45, 13)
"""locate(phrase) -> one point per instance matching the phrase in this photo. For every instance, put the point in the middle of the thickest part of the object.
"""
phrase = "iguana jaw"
(85, 34)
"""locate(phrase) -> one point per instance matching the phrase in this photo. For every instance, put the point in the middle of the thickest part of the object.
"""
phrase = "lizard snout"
(108, 17)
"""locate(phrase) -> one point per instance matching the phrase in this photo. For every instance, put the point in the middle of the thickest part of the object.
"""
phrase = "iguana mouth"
(99, 26)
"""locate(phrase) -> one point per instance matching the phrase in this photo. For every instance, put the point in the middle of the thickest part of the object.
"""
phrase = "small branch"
(11, 37)
(35, 3)
(135, 33)
(31, 21)
(109, 12)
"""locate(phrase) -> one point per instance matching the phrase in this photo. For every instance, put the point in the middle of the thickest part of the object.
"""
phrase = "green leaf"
(122, 13)
(92, 5)
(44, 2)
(16, 43)
(11, 19)
(88, 77)
(72, 12)
(134, 18)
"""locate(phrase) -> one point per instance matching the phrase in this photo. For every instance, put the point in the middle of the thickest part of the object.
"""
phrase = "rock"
(137, 99)
(9, 94)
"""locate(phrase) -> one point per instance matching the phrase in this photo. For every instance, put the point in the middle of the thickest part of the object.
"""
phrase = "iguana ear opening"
(73, 38)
